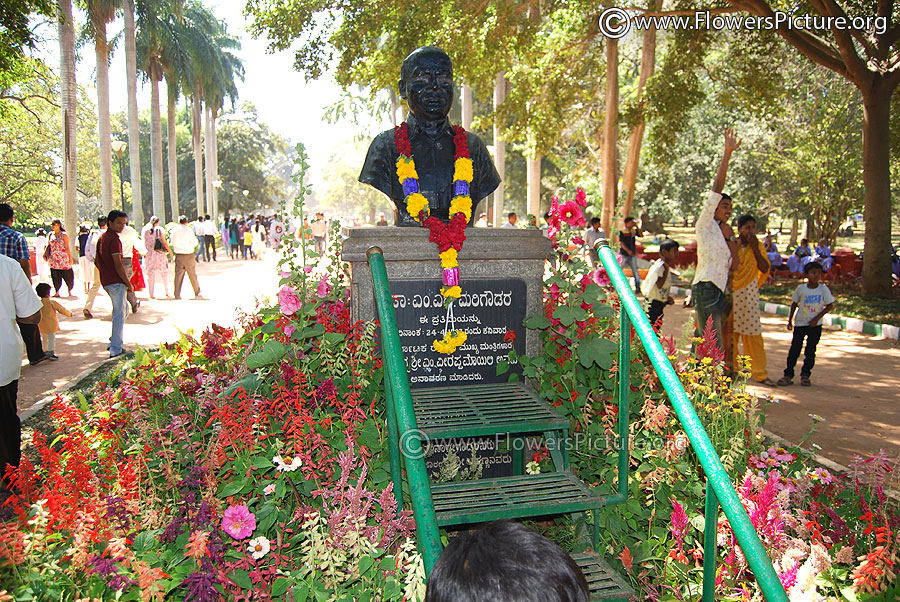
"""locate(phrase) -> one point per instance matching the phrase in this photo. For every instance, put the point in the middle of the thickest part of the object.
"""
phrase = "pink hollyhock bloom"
(289, 330)
(580, 197)
(600, 277)
(578, 240)
(554, 291)
(324, 288)
(239, 522)
(571, 213)
(285, 274)
(288, 300)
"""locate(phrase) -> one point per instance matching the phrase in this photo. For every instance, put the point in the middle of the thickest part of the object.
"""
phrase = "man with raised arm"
(717, 252)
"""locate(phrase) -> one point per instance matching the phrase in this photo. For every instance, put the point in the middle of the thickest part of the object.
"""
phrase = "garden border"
(885, 331)
(75, 381)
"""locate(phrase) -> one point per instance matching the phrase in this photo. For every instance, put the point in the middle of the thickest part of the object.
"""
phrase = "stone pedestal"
(501, 273)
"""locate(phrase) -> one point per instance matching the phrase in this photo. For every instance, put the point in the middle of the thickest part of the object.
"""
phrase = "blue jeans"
(116, 294)
(630, 261)
(710, 302)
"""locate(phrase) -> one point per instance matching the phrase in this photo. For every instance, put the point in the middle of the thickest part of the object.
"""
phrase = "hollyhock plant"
(239, 522)
(571, 213)
(288, 300)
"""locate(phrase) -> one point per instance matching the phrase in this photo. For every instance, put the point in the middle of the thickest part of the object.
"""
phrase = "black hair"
(668, 244)
(803, 240)
(182, 219)
(199, 218)
(114, 215)
(6, 212)
(744, 219)
(206, 216)
(813, 265)
(101, 221)
(505, 561)
(595, 220)
(58, 221)
(41, 232)
(628, 219)
(512, 214)
(725, 197)
(42, 290)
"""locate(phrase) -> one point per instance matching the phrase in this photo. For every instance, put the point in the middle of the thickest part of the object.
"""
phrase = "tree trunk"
(632, 162)
(499, 151)
(465, 99)
(877, 180)
(196, 126)
(795, 233)
(156, 168)
(134, 140)
(534, 185)
(610, 135)
(214, 145)
(101, 51)
(207, 144)
(172, 156)
(69, 107)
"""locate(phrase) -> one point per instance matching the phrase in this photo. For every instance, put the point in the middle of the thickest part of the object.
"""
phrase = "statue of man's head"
(426, 83)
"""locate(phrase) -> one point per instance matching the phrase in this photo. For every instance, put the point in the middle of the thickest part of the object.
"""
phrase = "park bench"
(509, 410)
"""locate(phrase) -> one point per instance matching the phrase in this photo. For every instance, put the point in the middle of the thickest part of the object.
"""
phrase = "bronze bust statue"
(426, 83)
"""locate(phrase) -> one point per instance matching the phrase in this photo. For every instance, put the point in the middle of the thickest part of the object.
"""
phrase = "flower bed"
(247, 463)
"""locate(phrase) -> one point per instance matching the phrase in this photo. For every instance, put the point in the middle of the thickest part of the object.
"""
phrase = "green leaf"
(300, 592)
(241, 579)
(334, 337)
(569, 315)
(232, 488)
(502, 367)
(280, 586)
(596, 350)
(365, 563)
(593, 293)
(271, 352)
(536, 322)
(262, 463)
(144, 541)
(316, 330)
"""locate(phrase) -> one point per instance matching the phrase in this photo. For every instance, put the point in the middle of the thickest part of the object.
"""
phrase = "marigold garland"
(448, 237)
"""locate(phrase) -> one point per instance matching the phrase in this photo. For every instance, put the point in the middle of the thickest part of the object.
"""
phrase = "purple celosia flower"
(200, 587)
(410, 186)
(239, 522)
(115, 510)
(460, 188)
(288, 300)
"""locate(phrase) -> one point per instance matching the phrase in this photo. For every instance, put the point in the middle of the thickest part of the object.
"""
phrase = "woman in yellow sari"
(752, 270)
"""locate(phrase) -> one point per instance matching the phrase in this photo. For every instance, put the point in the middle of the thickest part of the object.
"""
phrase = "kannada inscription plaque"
(490, 312)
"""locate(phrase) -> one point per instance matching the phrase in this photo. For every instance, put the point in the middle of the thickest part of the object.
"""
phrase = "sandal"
(785, 381)
(768, 382)
(804, 381)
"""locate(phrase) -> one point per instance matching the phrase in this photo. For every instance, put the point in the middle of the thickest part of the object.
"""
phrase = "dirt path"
(228, 286)
(854, 388)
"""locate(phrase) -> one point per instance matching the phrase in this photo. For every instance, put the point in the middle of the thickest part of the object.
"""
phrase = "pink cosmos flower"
(580, 197)
(571, 213)
(288, 300)
(239, 522)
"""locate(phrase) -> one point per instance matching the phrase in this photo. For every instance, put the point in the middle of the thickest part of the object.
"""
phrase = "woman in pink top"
(60, 259)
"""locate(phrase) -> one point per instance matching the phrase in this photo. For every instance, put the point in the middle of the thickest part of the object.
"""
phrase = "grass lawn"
(849, 301)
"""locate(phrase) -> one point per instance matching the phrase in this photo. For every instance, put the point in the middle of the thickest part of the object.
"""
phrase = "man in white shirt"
(593, 234)
(209, 238)
(184, 242)
(717, 252)
(131, 240)
(199, 228)
(91, 253)
(511, 221)
(18, 302)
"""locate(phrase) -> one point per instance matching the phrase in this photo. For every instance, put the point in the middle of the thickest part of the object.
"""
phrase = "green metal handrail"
(718, 485)
(403, 432)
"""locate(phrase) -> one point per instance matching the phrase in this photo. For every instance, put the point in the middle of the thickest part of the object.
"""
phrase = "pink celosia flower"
(288, 300)
(679, 520)
(239, 522)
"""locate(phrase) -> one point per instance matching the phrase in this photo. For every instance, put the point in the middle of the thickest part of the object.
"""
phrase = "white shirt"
(810, 302)
(198, 227)
(713, 254)
(17, 298)
(131, 239)
(184, 241)
(649, 289)
(509, 225)
(209, 228)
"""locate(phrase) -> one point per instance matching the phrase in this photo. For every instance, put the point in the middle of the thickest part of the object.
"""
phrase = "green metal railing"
(718, 484)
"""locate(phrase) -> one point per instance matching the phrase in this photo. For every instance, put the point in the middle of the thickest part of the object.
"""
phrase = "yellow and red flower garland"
(448, 237)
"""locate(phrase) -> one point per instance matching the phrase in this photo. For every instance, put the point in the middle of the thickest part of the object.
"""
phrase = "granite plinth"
(488, 255)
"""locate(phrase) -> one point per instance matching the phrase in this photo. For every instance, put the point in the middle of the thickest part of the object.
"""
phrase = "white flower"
(269, 489)
(816, 417)
(533, 468)
(258, 547)
(287, 463)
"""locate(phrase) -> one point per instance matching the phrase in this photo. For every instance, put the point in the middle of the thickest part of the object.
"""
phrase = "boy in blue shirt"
(810, 301)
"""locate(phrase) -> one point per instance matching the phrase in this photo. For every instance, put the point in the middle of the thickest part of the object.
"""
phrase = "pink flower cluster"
(771, 458)
(288, 300)
(570, 212)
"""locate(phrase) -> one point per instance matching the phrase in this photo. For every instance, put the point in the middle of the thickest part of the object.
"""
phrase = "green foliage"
(16, 33)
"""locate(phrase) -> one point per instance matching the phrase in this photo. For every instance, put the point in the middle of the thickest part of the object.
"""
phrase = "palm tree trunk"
(207, 143)
(533, 177)
(215, 165)
(156, 171)
(196, 125)
(610, 135)
(173, 160)
(101, 51)
(69, 118)
(134, 140)
(499, 151)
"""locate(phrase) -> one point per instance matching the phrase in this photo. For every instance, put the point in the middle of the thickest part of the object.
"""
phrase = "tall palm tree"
(69, 93)
(101, 12)
(134, 140)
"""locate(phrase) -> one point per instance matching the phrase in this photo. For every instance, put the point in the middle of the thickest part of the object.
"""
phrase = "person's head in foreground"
(668, 251)
(813, 271)
(504, 561)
